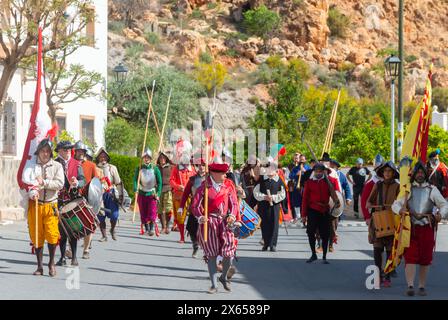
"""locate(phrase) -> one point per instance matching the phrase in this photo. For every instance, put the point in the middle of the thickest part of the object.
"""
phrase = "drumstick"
(269, 194)
(36, 212)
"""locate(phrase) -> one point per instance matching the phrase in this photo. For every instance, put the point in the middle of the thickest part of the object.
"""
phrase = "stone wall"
(10, 198)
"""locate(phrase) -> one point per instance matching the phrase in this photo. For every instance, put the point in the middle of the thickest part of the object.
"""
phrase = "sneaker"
(422, 292)
(62, 262)
(86, 255)
(312, 259)
(68, 254)
(225, 284)
(195, 253)
(103, 239)
(212, 290)
(410, 292)
(273, 249)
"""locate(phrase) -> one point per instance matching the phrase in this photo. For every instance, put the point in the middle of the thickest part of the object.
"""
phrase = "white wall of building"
(440, 119)
(21, 93)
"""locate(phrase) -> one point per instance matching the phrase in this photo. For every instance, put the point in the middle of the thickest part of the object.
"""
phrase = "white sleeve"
(440, 202)
(259, 196)
(279, 197)
(397, 205)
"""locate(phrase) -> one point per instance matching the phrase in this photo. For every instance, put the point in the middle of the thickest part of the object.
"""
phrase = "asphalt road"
(140, 267)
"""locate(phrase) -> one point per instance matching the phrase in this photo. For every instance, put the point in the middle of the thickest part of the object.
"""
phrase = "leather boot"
(103, 231)
(51, 265)
(151, 229)
(112, 229)
(39, 255)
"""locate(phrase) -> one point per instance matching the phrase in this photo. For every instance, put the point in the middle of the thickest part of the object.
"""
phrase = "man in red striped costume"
(223, 211)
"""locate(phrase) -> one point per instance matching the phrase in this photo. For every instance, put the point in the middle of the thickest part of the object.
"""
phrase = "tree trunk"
(51, 110)
(5, 81)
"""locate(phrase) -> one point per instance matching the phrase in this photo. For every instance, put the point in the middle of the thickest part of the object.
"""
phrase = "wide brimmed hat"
(335, 162)
(64, 145)
(100, 151)
(325, 157)
(389, 164)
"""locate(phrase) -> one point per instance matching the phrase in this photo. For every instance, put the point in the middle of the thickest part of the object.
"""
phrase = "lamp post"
(121, 72)
(303, 123)
(392, 66)
(400, 77)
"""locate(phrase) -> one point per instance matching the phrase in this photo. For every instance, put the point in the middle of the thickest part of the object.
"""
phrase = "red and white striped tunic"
(221, 240)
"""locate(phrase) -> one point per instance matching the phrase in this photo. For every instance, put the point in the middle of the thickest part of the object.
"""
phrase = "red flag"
(40, 122)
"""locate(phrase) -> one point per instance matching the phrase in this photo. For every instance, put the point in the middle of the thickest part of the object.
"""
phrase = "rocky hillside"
(177, 32)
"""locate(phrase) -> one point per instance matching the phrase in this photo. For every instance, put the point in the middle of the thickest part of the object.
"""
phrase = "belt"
(216, 215)
(48, 202)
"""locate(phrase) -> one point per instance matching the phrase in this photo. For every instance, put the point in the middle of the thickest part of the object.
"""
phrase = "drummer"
(383, 195)
(269, 192)
(90, 172)
(74, 181)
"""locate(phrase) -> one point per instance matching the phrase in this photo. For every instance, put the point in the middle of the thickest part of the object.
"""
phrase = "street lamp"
(303, 123)
(121, 73)
(392, 66)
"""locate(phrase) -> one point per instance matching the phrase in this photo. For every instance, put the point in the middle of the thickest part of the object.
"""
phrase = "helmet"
(80, 146)
(44, 143)
(148, 153)
(102, 150)
(89, 153)
(379, 160)
(64, 144)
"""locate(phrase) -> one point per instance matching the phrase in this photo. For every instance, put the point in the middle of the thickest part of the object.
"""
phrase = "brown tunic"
(166, 174)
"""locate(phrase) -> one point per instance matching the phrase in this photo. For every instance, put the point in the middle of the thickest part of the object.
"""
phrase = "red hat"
(219, 167)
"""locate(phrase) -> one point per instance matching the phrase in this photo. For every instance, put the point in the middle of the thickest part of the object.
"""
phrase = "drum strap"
(380, 195)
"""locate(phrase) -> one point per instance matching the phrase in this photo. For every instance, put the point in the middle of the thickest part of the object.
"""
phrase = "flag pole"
(144, 145)
(37, 224)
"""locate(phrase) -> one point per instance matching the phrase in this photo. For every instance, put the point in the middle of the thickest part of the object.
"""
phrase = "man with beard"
(426, 206)
(438, 173)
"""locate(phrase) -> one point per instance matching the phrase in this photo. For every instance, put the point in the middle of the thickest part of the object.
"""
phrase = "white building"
(440, 119)
(84, 118)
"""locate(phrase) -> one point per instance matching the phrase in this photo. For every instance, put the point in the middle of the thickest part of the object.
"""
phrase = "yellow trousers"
(47, 223)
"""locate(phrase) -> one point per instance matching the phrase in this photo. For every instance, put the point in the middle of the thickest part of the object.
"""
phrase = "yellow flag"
(415, 147)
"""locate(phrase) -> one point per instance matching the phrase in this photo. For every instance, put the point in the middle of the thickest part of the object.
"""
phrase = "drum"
(336, 212)
(384, 223)
(250, 221)
(77, 219)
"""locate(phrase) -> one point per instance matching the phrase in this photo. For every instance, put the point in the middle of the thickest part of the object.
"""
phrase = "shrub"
(261, 22)
(386, 52)
(211, 5)
(197, 14)
(338, 23)
(410, 59)
(210, 75)
(205, 57)
(440, 98)
(126, 168)
(116, 26)
(152, 38)
(231, 53)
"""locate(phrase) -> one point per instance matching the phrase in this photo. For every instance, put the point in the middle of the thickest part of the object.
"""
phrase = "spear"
(164, 121)
(144, 145)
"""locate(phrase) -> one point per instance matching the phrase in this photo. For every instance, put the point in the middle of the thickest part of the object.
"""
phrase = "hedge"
(126, 167)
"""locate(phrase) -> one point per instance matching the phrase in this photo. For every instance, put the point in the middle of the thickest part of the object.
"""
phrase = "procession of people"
(213, 203)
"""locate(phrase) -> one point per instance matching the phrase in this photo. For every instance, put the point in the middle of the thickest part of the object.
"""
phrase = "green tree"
(338, 23)
(211, 75)
(261, 22)
(19, 30)
(130, 100)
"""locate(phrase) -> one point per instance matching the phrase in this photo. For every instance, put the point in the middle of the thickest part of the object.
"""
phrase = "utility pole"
(400, 78)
